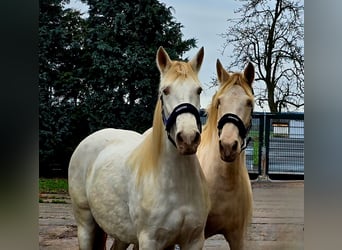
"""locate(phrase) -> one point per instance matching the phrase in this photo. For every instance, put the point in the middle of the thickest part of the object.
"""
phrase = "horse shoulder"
(86, 153)
(108, 185)
(110, 161)
(173, 202)
(81, 160)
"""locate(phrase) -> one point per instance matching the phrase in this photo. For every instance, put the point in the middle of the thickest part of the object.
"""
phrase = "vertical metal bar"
(261, 140)
(268, 118)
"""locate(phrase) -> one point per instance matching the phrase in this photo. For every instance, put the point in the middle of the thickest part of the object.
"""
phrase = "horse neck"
(232, 173)
(161, 148)
(233, 170)
(176, 169)
(171, 155)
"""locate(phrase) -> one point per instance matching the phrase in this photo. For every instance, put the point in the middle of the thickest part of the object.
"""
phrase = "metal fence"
(276, 149)
(277, 145)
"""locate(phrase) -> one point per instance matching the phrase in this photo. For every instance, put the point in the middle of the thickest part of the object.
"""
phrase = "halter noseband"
(180, 109)
(243, 131)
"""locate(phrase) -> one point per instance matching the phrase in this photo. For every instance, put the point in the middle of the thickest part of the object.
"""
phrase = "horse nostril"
(179, 137)
(197, 138)
(220, 144)
(234, 147)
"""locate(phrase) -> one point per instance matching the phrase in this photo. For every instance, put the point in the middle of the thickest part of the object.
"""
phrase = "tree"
(122, 40)
(60, 80)
(270, 34)
(99, 71)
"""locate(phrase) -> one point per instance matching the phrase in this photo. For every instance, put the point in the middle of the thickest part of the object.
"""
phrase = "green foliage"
(56, 185)
(100, 71)
(256, 152)
(254, 134)
(61, 35)
(123, 79)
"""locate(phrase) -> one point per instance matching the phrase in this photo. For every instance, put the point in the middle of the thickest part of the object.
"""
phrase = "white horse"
(147, 190)
(222, 156)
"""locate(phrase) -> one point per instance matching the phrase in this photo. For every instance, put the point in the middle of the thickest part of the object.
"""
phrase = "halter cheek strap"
(243, 131)
(180, 109)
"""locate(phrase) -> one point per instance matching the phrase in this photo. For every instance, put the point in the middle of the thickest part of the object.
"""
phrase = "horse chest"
(173, 223)
(170, 208)
(230, 207)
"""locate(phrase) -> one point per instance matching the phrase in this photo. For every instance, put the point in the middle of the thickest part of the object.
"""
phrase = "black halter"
(180, 109)
(243, 131)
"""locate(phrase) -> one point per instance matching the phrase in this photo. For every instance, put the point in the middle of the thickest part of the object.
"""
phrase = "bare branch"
(271, 35)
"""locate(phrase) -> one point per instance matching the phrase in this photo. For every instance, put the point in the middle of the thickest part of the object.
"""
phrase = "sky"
(203, 20)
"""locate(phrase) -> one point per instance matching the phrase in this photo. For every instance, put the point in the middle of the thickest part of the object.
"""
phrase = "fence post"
(263, 177)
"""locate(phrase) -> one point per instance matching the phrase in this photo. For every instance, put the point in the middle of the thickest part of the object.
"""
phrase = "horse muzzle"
(229, 150)
(187, 143)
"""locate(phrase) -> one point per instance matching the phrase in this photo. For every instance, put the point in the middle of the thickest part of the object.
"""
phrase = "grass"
(53, 190)
(59, 201)
(256, 153)
(53, 186)
(255, 136)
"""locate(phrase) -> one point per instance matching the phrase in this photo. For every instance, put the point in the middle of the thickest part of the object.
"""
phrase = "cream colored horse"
(148, 190)
(222, 156)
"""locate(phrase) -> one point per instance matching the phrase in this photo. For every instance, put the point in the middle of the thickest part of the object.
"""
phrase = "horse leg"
(147, 243)
(119, 245)
(91, 238)
(235, 239)
(100, 238)
(196, 244)
(90, 235)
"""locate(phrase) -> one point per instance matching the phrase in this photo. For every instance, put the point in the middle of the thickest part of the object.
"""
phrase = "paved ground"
(278, 220)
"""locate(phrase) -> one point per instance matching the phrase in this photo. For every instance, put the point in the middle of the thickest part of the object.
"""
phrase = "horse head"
(179, 100)
(234, 102)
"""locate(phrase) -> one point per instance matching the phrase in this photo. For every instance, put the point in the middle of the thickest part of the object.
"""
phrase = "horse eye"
(249, 103)
(218, 103)
(199, 90)
(166, 90)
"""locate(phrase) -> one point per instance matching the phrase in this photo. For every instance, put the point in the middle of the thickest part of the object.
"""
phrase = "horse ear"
(222, 74)
(163, 60)
(249, 73)
(196, 62)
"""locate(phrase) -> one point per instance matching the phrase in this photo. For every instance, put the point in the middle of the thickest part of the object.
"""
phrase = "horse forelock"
(181, 68)
(210, 127)
(177, 70)
(237, 79)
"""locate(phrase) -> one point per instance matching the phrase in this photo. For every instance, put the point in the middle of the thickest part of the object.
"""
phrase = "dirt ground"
(278, 220)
